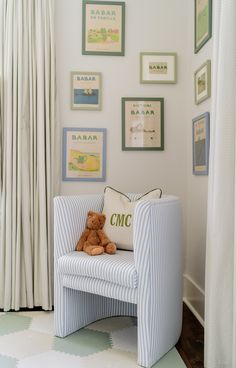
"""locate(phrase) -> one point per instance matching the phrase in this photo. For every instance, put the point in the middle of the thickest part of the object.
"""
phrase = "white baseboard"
(194, 298)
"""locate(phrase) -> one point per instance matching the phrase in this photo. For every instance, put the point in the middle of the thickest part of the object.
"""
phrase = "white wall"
(153, 25)
(150, 26)
(196, 185)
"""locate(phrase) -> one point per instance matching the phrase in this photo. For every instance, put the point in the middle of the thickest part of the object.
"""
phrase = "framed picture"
(201, 132)
(142, 124)
(85, 91)
(84, 154)
(158, 67)
(202, 82)
(103, 28)
(202, 23)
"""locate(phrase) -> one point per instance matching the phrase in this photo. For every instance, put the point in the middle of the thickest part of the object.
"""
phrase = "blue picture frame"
(201, 143)
(84, 154)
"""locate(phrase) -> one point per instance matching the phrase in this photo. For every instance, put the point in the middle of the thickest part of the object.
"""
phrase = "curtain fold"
(27, 147)
(220, 309)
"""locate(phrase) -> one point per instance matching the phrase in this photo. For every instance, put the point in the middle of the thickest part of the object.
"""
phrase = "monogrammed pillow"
(119, 210)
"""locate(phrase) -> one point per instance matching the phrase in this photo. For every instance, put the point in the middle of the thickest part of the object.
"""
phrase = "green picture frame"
(86, 90)
(202, 23)
(142, 123)
(202, 82)
(158, 67)
(103, 28)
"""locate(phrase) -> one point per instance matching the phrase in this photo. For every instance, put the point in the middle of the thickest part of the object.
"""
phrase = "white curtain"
(27, 152)
(220, 316)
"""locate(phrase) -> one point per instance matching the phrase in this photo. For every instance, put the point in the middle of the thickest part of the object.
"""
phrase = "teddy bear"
(93, 240)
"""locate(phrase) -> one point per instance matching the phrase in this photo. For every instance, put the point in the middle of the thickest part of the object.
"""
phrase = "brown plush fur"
(93, 240)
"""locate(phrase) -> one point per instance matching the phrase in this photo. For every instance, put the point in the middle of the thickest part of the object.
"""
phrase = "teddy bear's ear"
(90, 213)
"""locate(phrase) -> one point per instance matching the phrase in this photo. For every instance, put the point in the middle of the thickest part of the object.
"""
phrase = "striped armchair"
(146, 283)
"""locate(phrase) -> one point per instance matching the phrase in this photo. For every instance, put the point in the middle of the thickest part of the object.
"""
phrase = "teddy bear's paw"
(97, 251)
(94, 251)
(110, 248)
(79, 246)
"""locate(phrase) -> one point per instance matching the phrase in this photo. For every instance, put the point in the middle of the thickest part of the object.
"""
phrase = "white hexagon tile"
(125, 339)
(27, 341)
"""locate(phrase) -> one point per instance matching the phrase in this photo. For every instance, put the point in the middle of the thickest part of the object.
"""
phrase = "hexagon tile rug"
(27, 341)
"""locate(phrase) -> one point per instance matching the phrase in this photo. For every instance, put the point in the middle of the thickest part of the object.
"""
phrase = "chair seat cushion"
(117, 268)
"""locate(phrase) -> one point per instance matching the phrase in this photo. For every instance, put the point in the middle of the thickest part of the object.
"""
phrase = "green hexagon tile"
(10, 322)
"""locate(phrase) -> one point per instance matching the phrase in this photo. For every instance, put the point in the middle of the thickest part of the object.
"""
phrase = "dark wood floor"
(191, 343)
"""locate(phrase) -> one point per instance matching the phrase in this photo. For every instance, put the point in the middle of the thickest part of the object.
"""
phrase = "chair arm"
(157, 233)
(70, 213)
(158, 259)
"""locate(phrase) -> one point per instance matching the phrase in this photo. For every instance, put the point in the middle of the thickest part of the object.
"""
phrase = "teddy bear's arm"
(103, 237)
(82, 240)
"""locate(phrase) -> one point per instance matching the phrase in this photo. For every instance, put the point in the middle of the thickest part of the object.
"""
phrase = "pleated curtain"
(220, 309)
(28, 155)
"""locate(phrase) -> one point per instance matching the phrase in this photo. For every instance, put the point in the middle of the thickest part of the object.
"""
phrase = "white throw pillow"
(119, 210)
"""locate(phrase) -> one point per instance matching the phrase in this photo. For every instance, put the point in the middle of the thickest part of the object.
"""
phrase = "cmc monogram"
(118, 219)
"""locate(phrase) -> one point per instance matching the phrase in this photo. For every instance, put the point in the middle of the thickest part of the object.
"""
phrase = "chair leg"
(143, 341)
(76, 309)
(72, 311)
(149, 350)
(157, 334)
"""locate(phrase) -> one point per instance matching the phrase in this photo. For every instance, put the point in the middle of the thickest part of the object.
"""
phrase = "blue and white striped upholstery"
(100, 287)
(118, 269)
(146, 283)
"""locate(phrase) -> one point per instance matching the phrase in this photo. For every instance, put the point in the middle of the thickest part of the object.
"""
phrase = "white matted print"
(202, 82)
(142, 123)
(84, 154)
(85, 91)
(158, 67)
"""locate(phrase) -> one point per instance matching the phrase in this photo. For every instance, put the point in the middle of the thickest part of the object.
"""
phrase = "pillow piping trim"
(117, 191)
